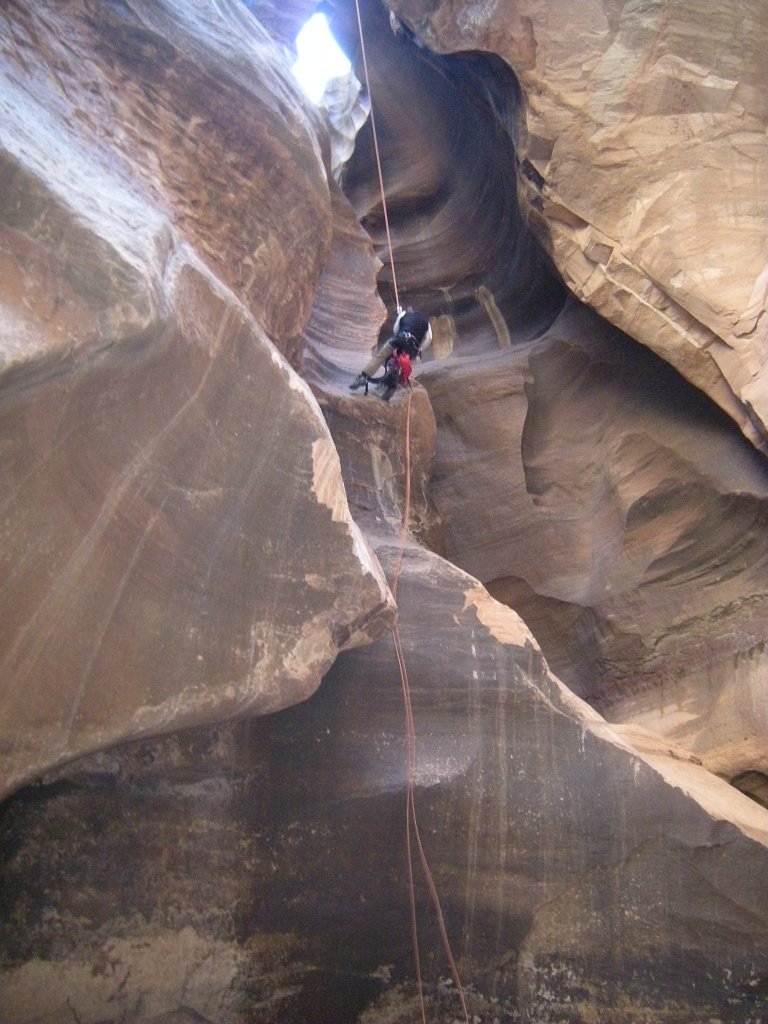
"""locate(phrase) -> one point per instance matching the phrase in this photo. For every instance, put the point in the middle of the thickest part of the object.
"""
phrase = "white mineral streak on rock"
(507, 627)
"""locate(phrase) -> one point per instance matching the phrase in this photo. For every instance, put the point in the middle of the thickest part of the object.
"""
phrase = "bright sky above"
(320, 57)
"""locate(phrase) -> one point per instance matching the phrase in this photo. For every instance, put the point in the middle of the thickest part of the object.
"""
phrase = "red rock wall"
(191, 535)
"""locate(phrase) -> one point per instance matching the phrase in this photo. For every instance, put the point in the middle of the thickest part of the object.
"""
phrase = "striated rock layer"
(576, 475)
(646, 158)
(626, 522)
(179, 540)
(176, 542)
(263, 864)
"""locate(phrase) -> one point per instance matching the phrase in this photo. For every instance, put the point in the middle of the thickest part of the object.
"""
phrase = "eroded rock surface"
(647, 168)
(176, 541)
(179, 477)
(627, 526)
(285, 895)
(627, 523)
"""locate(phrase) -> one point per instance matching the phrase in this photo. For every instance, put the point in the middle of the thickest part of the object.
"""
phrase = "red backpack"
(397, 372)
(403, 362)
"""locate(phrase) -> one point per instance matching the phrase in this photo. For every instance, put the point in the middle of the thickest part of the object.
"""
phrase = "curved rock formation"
(461, 247)
(626, 521)
(264, 863)
(177, 545)
(183, 542)
(645, 135)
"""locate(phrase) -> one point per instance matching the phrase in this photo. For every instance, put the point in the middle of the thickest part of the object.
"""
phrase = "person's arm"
(400, 314)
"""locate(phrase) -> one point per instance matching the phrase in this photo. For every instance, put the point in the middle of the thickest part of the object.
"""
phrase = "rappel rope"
(376, 151)
(411, 823)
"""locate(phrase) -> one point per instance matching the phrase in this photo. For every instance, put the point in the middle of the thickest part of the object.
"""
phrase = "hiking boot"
(360, 381)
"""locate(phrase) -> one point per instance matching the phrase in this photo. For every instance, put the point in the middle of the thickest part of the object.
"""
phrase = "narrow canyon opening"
(202, 727)
(577, 475)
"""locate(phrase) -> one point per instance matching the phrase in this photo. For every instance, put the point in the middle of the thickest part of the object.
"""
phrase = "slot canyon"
(217, 558)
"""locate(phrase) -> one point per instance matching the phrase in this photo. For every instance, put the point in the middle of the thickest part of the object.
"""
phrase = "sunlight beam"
(320, 57)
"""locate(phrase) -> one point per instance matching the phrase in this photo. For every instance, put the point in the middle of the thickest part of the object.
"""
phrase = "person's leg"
(375, 363)
(390, 380)
(378, 359)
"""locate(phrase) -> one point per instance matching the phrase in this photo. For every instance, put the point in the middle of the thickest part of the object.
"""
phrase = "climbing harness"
(411, 824)
(409, 342)
(397, 374)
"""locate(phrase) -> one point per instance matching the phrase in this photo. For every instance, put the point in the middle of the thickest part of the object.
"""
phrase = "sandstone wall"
(621, 515)
(194, 532)
(644, 143)
(176, 541)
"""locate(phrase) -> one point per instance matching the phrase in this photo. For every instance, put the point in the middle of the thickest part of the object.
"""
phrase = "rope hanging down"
(411, 826)
(411, 823)
(376, 152)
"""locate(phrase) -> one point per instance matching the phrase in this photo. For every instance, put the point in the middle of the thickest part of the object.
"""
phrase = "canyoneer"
(411, 335)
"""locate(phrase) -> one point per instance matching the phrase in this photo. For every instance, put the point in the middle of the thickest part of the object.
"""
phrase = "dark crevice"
(446, 126)
(754, 785)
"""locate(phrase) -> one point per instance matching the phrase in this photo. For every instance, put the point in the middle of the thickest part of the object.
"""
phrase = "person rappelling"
(412, 335)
